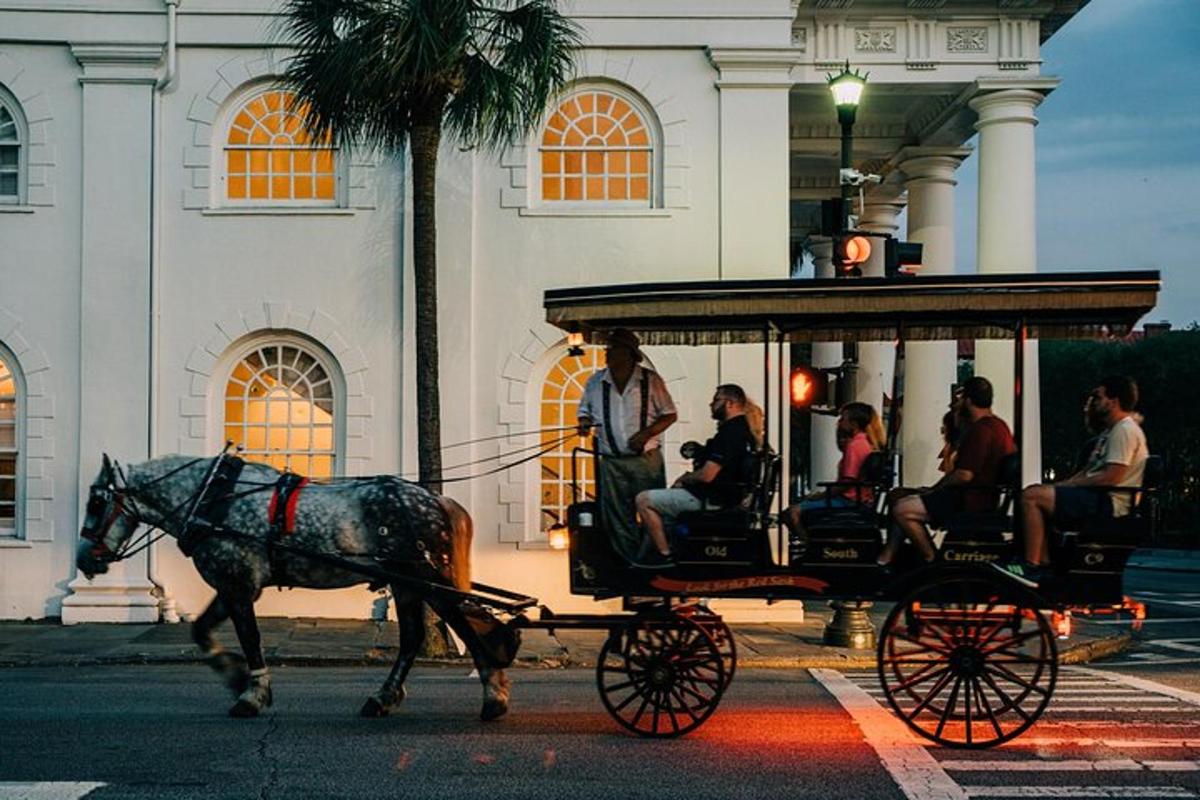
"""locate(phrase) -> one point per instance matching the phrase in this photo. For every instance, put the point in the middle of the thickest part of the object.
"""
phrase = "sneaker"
(654, 560)
(1021, 571)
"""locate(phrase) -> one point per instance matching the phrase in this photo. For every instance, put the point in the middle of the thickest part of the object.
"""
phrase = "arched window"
(270, 159)
(11, 439)
(12, 140)
(598, 147)
(282, 402)
(562, 390)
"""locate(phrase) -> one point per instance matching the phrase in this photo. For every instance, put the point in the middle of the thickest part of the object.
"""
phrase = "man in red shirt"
(984, 444)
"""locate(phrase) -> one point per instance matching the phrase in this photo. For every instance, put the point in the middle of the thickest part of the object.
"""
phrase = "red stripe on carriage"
(735, 584)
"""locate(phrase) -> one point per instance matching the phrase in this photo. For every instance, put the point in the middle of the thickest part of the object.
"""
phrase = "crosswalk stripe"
(1191, 698)
(47, 790)
(1072, 765)
(1084, 741)
(1078, 791)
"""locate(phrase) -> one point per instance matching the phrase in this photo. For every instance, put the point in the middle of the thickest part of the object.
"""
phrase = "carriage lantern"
(558, 536)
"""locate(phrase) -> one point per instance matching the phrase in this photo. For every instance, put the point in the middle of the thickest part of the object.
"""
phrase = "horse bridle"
(107, 503)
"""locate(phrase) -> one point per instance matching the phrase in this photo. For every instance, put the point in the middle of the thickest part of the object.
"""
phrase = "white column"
(877, 360)
(823, 444)
(118, 83)
(1007, 242)
(930, 368)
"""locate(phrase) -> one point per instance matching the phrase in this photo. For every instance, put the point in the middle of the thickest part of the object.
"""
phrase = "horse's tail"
(461, 533)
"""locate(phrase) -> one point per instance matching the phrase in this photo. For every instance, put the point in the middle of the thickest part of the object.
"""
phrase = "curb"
(1086, 652)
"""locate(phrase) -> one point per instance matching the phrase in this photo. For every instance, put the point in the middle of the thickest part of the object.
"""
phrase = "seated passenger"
(859, 433)
(719, 482)
(985, 442)
(1118, 459)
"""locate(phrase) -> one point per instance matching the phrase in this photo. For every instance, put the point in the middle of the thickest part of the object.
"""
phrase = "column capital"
(882, 209)
(104, 62)
(1009, 101)
(931, 164)
(754, 68)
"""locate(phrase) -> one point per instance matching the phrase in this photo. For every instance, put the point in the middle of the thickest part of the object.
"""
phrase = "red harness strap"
(281, 512)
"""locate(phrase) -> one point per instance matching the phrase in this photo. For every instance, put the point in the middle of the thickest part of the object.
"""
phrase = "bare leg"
(257, 695)
(797, 535)
(653, 522)
(910, 516)
(411, 616)
(231, 667)
(1037, 505)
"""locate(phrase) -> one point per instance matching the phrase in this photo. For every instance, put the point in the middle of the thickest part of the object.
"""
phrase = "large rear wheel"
(660, 678)
(968, 660)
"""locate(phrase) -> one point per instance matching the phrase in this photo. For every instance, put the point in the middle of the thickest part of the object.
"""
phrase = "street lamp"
(847, 88)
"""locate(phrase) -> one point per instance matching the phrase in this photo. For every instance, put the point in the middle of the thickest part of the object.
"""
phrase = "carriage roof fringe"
(1052, 305)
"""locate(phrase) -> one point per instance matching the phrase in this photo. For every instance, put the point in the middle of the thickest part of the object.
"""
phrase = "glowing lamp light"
(847, 89)
(1061, 622)
(575, 339)
(858, 249)
(559, 538)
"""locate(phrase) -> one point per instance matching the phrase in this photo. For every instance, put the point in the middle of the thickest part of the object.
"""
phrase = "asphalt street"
(1127, 727)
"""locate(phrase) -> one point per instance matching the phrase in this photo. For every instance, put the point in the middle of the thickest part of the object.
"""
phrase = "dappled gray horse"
(381, 520)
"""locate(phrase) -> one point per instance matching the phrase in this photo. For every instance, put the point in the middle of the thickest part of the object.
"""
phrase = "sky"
(1118, 150)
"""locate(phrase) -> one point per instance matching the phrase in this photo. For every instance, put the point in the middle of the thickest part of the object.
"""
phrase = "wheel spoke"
(1020, 638)
(986, 707)
(921, 676)
(934, 692)
(683, 705)
(949, 707)
(1008, 701)
(1013, 677)
(967, 709)
(925, 646)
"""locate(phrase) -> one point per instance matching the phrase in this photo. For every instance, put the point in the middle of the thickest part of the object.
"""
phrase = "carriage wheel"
(660, 679)
(721, 635)
(968, 660)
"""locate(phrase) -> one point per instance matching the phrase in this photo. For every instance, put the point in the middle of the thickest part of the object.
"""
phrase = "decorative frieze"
(919, 38)
(875, 40)
(967, 40)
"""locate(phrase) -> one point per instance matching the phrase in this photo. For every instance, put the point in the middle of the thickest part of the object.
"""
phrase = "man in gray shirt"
(1118, 459)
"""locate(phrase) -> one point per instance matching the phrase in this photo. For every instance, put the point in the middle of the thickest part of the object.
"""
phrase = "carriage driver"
(630, 407)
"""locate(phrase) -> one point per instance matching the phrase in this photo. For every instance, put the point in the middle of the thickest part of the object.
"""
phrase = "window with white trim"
(11, 441)
(599, 148)
(283, 402)
(269, 159)
(12, 154)
(562, 389)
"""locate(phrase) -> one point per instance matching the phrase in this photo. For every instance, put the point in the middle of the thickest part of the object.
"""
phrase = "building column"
(930, 368)
(1007, 242)
(877, 360)
(118, 85)
(823, 443)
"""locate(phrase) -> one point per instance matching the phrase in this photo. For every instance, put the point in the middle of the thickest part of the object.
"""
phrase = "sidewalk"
(1164, 560)
(335, 642)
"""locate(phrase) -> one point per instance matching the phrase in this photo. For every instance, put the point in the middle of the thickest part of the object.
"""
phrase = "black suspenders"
(608, 428)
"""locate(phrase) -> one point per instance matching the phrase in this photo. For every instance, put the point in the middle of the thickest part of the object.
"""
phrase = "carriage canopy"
(1051, 306)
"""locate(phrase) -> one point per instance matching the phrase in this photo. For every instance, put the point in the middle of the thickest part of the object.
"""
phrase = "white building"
(166, 238)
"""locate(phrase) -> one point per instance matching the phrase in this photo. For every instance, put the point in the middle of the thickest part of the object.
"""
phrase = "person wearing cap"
(629, 407)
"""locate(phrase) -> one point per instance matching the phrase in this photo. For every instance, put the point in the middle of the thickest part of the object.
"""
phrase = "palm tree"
(391, 74)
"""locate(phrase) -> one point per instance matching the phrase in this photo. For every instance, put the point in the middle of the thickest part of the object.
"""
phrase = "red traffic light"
(849, 252)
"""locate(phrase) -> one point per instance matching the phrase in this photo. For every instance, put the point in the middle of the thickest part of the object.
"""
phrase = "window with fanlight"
(270, 159)
(562, 389)
(12, 140)
(11, 436)
(282, 402)
(598, 148)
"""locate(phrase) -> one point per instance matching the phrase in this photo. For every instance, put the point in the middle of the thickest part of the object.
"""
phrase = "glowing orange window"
(561, 392)
(597, 147)
(279, 406)
(270, 158)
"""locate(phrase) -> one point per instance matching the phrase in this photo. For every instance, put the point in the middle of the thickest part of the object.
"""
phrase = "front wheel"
(660, 678)
(968, 660)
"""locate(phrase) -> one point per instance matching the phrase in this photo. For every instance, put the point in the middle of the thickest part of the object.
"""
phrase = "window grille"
(562, 390)
(10, 156)
(597, 147)
(10, 443)
(270, 158)
(280, 405)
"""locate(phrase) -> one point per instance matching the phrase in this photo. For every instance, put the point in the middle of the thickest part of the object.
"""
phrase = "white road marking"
(915, 771)
(1117, 744)
(1078, 791)
(46, 790)
(1149, 659)
(1071, 765)
(1176, 644)
(1191, 698)
(1158, 621)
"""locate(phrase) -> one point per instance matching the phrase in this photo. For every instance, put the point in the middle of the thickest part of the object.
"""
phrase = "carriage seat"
(978, 536)
(734, 535)
(848, 535)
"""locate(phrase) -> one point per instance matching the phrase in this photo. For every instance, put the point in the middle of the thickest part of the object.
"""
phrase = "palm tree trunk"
(426, 134)
(423, 140)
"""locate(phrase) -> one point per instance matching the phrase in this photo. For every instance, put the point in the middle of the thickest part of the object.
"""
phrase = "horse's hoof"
(244, 709)
(373, 709)
(493, 709)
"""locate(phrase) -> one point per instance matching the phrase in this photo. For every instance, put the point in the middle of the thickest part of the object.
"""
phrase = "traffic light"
(809, 387)
(898, 255)
(849, 252)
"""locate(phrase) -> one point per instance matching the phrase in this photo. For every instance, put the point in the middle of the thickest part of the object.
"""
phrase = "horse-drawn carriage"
(967, 657)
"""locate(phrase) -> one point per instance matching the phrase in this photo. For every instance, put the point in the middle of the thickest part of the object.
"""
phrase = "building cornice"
(118, 62)
(754, 68)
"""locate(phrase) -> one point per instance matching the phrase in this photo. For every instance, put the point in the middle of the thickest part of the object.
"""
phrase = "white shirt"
(625, 408)
(1125, 444)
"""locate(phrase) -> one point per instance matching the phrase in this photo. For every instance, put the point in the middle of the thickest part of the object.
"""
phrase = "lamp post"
(850, 626)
